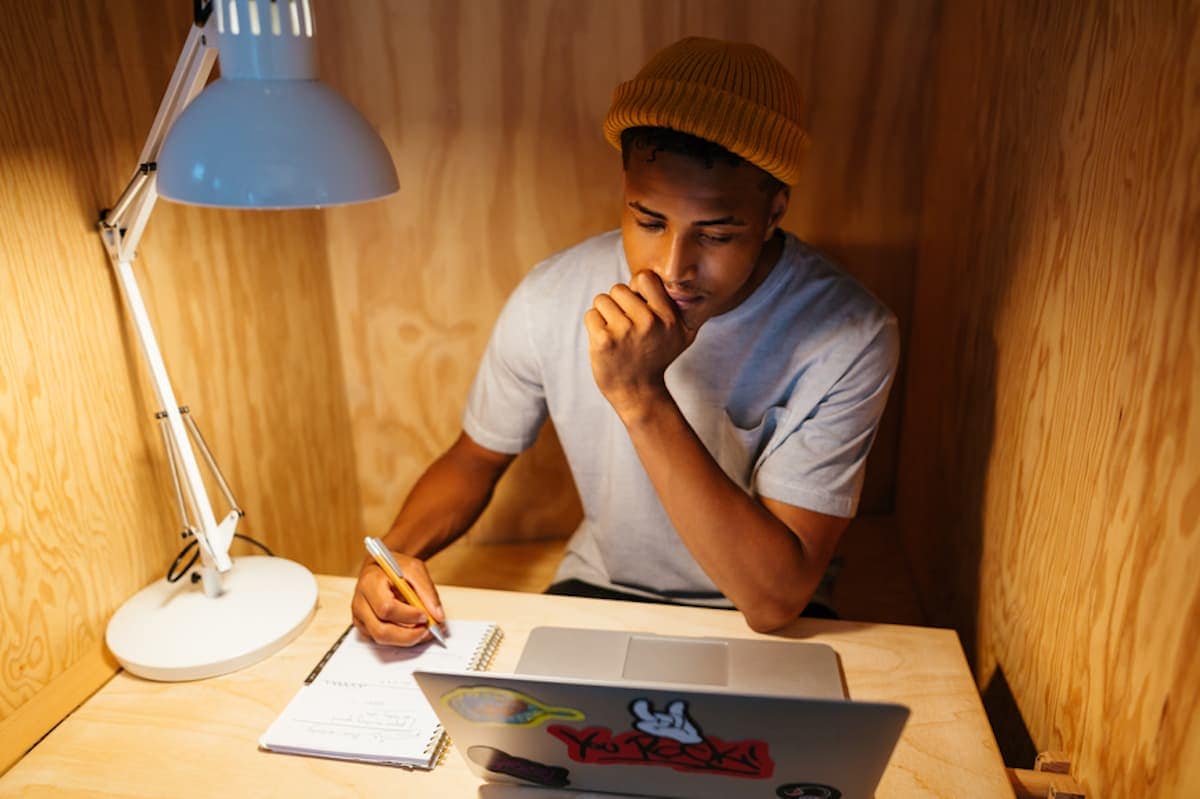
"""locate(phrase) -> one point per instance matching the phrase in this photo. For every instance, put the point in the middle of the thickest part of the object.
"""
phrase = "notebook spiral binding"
(312, 675)
(481, 660)
(440, 748)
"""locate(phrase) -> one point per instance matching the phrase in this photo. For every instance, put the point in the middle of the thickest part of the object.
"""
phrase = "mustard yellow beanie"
(733, 94)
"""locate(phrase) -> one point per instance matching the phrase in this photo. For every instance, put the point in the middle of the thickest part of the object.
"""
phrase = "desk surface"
(136, 738)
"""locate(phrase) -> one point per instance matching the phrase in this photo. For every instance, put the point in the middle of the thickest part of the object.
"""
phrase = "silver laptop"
(654, 715)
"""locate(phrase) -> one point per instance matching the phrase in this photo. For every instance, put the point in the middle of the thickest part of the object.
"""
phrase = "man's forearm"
(760, 564)
(446, 500)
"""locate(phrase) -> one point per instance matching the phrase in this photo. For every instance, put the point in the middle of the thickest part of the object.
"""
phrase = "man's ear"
(779, 206)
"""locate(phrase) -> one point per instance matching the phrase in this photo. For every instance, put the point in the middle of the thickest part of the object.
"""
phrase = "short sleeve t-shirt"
(785, 391)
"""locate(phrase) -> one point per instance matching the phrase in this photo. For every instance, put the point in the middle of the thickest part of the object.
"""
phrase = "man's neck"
(768, 257)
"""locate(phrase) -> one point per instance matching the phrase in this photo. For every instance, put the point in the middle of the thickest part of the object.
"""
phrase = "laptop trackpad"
(664, 659)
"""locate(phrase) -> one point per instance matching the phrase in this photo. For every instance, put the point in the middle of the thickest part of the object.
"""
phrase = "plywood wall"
(492, 109)
(1050, 476)
(243, 308)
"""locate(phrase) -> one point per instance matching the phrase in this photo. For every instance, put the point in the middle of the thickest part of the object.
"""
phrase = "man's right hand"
(444, 503)
(381, 614)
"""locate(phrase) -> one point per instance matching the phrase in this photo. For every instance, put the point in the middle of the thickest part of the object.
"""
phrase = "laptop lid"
(693, 741)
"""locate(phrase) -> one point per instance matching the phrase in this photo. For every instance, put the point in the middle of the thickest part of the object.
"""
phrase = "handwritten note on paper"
(365, 705)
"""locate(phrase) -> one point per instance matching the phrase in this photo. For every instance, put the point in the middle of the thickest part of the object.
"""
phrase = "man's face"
(701, 229)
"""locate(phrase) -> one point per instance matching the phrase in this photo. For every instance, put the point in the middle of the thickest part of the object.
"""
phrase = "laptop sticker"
(807, 790)
(502, 762)
(483, 704)
(672, 724)
(666, 738)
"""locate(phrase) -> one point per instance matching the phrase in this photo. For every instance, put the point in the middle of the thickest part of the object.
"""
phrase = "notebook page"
(365, 705)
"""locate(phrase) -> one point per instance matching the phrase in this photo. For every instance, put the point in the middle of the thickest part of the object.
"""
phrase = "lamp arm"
(123, 224)
(213, 543)
(121, 229)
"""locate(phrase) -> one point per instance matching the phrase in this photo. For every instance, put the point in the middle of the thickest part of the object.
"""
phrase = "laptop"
(669, 716)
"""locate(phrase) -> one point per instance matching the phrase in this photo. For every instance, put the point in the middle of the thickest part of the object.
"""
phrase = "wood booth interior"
(1020, 182)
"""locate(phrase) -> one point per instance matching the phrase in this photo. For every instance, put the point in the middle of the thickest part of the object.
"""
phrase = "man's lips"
(684, 300)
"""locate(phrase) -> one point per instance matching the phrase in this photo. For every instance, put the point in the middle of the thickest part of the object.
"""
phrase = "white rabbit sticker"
(673, 724)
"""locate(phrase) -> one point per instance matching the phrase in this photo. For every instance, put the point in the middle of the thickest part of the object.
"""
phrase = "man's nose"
(677, 264)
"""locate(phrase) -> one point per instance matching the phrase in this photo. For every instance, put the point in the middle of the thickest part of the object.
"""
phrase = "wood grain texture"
(243, 311)
(518, 566)
(54, 702)
(945, 751)
(492, 111)
(1050, 487)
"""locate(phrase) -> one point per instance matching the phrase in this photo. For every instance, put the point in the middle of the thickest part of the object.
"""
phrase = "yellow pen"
(391, 568)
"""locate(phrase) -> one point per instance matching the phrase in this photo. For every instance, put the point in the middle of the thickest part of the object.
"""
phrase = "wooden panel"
(873, 583)
(254, 340)
(527, 566)
(54, 702)
(492, 111)
(1050, 485)
(245, 318)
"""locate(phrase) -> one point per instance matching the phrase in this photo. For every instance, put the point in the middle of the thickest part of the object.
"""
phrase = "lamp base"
(173, 632)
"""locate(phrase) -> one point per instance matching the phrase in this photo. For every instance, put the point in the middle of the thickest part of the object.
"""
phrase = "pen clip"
(380, 552)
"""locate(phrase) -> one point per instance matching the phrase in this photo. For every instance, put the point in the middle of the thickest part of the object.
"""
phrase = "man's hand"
(634, 334)
(381, 614)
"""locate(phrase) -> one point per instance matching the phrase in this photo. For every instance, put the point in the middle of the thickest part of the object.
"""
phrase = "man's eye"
(644, 225)
(714, 238)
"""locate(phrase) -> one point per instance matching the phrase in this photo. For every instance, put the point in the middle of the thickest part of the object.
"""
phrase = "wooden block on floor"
(1029, 784)
(1054, 762)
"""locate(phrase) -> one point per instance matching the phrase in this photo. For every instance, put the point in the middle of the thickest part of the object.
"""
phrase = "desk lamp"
(265, 135)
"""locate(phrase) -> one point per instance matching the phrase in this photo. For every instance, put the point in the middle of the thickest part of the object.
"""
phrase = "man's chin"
(693, 316)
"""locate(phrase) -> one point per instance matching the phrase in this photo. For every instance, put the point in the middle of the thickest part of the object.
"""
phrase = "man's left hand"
(634, 333)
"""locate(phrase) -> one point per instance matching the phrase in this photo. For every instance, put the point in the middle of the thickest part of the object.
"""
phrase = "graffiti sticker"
(670, 738)
(522, 768)
(483, 704)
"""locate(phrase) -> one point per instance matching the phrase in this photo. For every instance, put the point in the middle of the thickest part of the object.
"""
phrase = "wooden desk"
(136, 738)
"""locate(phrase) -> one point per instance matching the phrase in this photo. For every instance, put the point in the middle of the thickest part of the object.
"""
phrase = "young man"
(715, 383)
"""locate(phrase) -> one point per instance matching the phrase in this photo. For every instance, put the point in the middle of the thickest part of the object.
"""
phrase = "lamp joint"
(160, 415)
(201, 10)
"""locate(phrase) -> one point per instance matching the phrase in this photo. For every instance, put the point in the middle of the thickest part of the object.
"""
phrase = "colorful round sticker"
(807, 790)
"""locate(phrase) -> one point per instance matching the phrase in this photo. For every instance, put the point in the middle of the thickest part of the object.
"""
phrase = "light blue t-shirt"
(785, 391)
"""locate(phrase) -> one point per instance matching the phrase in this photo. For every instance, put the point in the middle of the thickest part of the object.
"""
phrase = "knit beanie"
(733, 94)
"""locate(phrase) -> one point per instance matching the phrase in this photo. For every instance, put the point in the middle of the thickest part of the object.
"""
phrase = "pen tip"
(436, 631)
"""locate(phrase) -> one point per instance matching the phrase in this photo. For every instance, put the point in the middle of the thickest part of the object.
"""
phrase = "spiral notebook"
(361, 702)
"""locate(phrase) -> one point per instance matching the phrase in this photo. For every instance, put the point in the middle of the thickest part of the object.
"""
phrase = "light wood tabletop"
(136, 738)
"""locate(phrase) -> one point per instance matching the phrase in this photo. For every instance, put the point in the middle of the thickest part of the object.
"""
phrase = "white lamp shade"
(273, 144)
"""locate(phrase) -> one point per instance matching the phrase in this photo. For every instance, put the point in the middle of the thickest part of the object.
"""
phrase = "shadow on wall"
(887, 272)
(973, 348)
(999, 110)
(1016, 745)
